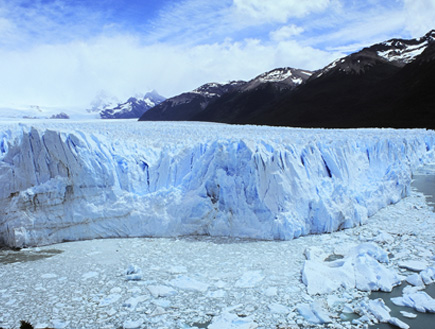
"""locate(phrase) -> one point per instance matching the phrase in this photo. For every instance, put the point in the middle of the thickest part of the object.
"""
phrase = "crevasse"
(74, 181)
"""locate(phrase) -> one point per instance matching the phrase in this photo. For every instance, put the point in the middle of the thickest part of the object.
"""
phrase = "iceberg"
(361, 268)
(68, 181)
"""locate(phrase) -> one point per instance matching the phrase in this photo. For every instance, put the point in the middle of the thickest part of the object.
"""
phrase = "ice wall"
(67, 181)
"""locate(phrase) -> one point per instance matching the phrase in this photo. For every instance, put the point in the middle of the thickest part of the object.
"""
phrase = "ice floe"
(360, 268)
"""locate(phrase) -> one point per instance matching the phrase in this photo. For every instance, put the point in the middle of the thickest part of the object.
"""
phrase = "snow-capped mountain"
(397, 52)
(102, 101)
(134, 107)
(389, 84)
(190, 105)
(286, 77)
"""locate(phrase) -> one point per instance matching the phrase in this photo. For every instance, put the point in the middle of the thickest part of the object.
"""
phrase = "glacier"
(67, 181)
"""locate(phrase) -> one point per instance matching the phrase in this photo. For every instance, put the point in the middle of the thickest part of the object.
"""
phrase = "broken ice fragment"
(420, 301)
(314, 313)
(133, 324)
(231, 321)
(161, 291)
(133, 273)
(413, 265)
(249, 279)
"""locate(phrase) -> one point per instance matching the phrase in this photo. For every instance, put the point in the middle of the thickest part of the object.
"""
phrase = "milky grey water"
(424, 182)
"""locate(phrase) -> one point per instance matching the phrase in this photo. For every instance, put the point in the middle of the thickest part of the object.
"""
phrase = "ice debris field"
(206, 187)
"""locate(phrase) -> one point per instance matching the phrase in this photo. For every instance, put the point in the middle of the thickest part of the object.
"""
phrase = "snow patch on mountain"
(71, 181)
(133, 108)
(286, 77)
(396, 51)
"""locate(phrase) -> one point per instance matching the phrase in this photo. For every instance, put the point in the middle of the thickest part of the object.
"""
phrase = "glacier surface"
(67, 181)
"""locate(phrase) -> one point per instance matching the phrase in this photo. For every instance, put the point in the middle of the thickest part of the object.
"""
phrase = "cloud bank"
(58, 53)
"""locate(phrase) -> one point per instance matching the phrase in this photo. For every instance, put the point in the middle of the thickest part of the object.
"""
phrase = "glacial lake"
(424, 182)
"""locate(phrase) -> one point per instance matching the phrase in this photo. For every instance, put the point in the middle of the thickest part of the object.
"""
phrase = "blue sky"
(65, 52)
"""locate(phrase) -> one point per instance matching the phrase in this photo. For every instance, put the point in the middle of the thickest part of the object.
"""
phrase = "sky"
(66, 52)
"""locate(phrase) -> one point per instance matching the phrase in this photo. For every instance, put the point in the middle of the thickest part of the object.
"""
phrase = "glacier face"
(67, 181)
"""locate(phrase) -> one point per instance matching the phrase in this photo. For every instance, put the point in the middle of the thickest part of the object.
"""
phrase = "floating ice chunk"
(231, 321)
(414, 265)
(415, 280)
(187, 283)
(334, 301)
(249, 279)
(133, 324)
(428, 275)
(49, 276)
(177, 269)
(370, 275)
(60, 324)
(361, 268)
(371, 250)
(271, 291)
(133, 273)
(408, 315)
(110, 299)
(278, 308)
(132, 302)
(89, 275)
(314, 313)
(420, 301)
(162, 303)
(398, 323)
(217, 294)
(383, 237)
(116, 290)
(161, 291)
(376, 309)
(315, 253)
(326, 277)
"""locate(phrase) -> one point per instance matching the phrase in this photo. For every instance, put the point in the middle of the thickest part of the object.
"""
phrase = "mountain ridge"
(191, 104)
(133, 108)
(387, 84)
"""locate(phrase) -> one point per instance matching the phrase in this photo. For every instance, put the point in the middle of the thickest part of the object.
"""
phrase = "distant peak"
(289, 74)
(430, 34)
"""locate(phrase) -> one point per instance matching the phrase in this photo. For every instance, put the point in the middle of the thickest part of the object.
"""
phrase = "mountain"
(256, 96)
(189, 104)
(132, 108)
(389, 84)
(192, 105)
(386, 85)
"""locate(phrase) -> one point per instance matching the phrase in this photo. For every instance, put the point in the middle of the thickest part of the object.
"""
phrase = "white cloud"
(420, 16)
(73, 73)
(260, 11)
(286, 32)
(71, 54)
(351, 27)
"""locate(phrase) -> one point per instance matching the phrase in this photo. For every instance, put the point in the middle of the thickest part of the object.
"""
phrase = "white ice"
(314, 313)
(231, 321)
(375, 311)
(64, 181)
(360, 268)
(85, 285)
(420, 301)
